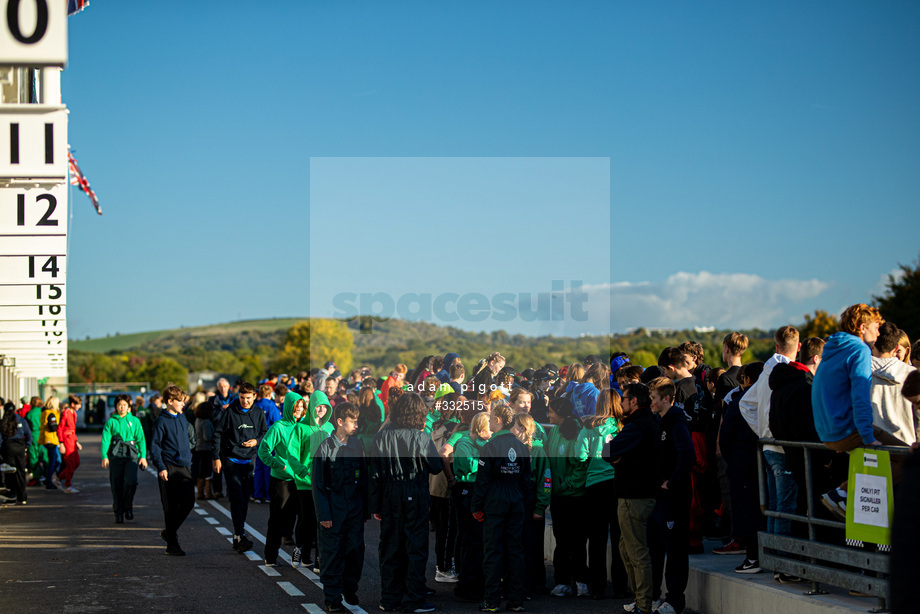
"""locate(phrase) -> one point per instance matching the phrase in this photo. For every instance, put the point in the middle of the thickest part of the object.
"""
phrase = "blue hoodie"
(444, 374)
(272, 413)
(583, 397)
(840, 391)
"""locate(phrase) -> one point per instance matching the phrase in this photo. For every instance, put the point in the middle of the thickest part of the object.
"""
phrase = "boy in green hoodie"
(280, 451)
(316, 427)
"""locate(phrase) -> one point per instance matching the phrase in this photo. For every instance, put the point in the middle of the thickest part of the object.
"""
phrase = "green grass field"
(126, 342)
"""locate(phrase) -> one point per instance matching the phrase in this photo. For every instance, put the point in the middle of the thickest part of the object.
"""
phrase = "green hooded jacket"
(466, 458)
(590, 447)
(314, 434)
(568, 471)
(542, 476)
(128, 428)
(280, 448)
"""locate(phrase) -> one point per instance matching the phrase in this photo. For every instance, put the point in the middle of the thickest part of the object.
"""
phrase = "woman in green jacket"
(470, 581)
(123, 451)
(568, 500)
(280, 451)
(600, 429)
(316, 427)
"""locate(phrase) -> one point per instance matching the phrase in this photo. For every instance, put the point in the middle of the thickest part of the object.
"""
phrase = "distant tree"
(252, 369)
(901, 302)
(160, 372)
(821, 324)
(312, 343)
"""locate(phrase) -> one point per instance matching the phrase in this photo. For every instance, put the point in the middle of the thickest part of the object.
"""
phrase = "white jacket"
(891, 412)
(755, 404)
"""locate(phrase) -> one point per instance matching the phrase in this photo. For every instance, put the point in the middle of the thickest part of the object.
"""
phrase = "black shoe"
(242, 544)
(119, 519)
(425, 607)
(335, 606)
(174, 550)
(350, 598)
(129, 515)
(515, 607)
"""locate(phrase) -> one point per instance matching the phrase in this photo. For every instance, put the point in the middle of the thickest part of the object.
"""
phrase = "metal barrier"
(816, 561)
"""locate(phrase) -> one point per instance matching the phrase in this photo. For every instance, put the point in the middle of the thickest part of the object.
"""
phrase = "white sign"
(41, 313)
(33, 145)
(35, 211)
(56, 333)
(870, 500)
(39, 268)
(21, 245)
(35, 327)
(33, 32)
(53, 342)
(33, 294)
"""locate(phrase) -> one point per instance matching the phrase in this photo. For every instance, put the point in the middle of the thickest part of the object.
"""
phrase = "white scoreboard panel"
(32, 212)
(33, 32)
(33, 142)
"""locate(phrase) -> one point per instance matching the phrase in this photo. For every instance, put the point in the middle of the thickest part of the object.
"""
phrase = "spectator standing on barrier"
(891, 412)
(401, 459)
(841, 395)
(123, 451)
(668, 525)
(633, 453)
(70, 445)
(235, 444)
(171, 444)
(755, 409)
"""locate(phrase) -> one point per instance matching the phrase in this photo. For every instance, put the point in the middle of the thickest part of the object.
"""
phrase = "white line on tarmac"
(312, 608)
(201, 511)
(270, 571)
(211, 520)
(223, 531)
(290, 589)
(252, 556)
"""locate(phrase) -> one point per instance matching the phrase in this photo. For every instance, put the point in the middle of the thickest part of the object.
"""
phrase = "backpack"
(695, 410)
(51, 425)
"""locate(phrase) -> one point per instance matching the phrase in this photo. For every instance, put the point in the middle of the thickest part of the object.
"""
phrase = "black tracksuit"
(400, 462)
(235, 426)
(503, 476)
(739, 449)
(667, 529)
(340, 495)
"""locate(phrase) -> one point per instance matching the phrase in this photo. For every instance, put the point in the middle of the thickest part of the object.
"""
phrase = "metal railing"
(818, 562)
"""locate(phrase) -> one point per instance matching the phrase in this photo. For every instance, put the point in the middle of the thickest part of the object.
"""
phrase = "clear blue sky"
(762, 160)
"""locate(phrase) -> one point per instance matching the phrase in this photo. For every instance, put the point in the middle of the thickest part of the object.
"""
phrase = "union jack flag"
(75, 6)
(77, 179)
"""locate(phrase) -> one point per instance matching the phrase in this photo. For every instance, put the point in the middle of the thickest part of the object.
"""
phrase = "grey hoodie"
(891, 412)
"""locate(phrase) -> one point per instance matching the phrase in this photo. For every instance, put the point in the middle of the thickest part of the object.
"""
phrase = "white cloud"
(685, 300)
(882, 284)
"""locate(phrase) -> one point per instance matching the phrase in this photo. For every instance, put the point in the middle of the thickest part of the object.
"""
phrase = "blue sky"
(761, 159)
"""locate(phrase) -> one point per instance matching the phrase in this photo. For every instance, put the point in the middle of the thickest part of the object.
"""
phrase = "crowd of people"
(651, 460)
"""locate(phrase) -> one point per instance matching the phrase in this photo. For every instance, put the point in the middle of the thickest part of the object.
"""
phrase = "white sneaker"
(562, 590)
(4, 468)
(70, 490)
(56, 481)
(666, 608)
(445, 576)
(630, 607)
(583, 589)
(657, 604)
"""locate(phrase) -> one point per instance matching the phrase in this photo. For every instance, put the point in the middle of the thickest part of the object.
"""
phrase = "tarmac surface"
(64, 553)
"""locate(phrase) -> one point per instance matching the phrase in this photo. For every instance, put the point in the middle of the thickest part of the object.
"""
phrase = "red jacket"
(67, 430)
